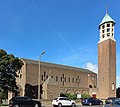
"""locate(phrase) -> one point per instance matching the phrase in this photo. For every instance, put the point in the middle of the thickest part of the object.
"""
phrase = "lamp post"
(39, 76)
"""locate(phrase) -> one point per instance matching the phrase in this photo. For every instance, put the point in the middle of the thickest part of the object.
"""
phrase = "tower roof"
(107, 18)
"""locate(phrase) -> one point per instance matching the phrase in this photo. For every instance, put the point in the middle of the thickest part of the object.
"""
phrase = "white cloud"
(92, 67)
(118, 78)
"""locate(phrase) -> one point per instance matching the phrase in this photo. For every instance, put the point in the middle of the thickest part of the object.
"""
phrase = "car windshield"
(55, 98)
(117, 102)
(111, 98)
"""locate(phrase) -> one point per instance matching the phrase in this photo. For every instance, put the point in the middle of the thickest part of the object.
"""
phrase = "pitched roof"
(51, 81)
(29, 61)
(107, 18)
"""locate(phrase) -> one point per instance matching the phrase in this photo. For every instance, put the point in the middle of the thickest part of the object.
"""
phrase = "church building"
(54, 79)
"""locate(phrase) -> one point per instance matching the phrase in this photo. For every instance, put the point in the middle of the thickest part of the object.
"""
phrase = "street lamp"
(39, 76)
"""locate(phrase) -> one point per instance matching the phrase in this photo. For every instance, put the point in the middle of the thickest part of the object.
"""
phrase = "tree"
(9, 69)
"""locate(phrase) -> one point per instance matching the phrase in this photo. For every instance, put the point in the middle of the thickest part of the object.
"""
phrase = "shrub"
(83, 96)
(71, 96)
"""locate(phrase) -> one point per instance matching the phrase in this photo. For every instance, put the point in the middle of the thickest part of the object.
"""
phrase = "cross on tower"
(78, 80)
(63, 79)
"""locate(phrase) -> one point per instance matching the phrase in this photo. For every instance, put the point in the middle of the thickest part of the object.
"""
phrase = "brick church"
(55, 78)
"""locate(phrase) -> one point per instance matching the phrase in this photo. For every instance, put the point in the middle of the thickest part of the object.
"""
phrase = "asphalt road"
(80, 106)
(76, 106)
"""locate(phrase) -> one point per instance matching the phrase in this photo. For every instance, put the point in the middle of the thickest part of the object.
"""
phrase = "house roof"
(29, 61)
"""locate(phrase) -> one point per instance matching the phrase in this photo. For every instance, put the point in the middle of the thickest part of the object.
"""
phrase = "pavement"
(3, 106)
(50, 105)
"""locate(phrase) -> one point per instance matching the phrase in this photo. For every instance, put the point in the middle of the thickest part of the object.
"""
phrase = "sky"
(66, 29)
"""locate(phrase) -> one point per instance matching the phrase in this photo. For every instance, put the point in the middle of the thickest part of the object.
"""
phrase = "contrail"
(35, 5)
(67, 43)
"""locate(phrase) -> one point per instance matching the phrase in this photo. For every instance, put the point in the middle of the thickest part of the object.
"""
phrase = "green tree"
(9, 68)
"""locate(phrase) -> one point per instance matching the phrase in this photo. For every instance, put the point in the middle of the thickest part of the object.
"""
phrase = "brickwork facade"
(107, 68)
(70, 79)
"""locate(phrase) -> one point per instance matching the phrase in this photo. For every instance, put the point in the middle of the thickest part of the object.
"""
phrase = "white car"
(63, 101)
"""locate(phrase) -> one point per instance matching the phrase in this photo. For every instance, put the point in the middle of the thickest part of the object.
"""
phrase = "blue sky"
(66, 29)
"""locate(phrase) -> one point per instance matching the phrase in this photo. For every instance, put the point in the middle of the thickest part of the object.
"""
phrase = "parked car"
(20, 101)
(63, 101)
(114, 103)
(109, 100)
(92, 101)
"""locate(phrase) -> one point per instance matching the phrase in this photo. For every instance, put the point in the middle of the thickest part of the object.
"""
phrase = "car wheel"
(90, 104)
(59, 105)
(36, 105)
(16, 105)
(73, 105)
(101, 103)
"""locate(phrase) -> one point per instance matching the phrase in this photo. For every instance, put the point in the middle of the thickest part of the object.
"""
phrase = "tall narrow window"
(113, 86)
(63, 83)
(44, 73)
(65, 79)
(73, 80)
(69, 79)
(42, 77)
(61, 79)
(56, 78)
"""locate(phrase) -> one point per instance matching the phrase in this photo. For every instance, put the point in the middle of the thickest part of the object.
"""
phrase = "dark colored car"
(92, 101)
(20, 101)
(110, 100)
(114, 103)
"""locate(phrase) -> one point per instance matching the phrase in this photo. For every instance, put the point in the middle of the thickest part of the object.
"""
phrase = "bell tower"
(107, 58)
